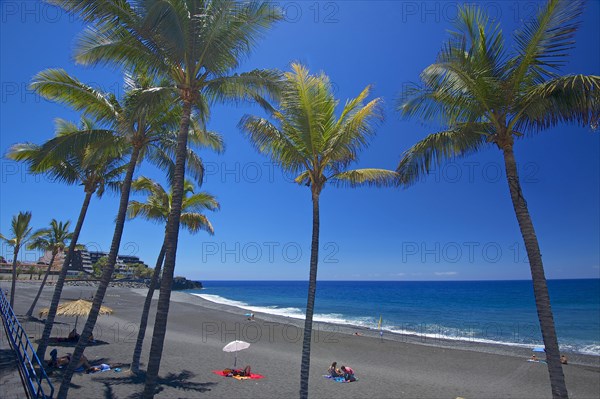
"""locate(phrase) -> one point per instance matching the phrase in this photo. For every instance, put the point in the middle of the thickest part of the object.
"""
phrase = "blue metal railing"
(36, 380)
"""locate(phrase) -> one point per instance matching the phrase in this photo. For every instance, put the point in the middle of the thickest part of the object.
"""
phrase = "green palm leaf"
(544, 42)
(361, 177)
(565, 99)
(437, 148)
(158, 204)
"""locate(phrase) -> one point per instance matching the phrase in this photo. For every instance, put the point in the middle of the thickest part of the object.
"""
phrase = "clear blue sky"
(458, 224)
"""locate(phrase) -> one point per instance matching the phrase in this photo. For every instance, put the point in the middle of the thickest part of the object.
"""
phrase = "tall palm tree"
(53, 239)
(21, 232)
(95, 166)
(157, 208)
(197, 44)
(309, 140)
(487, 96)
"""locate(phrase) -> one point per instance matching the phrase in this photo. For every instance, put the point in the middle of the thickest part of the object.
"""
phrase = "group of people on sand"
(83, 364)
(345, 371)
(62, 361)
(563, 359)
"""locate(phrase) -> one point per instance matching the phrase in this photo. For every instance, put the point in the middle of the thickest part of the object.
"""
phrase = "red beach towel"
(252, 376)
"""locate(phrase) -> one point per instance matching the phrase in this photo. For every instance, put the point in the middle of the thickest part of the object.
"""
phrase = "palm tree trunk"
(171, 237)
(310, 303)
(540, 289)
(137, 352)
(30, 311)
(41, 350)
(106, 277)
(13, 285)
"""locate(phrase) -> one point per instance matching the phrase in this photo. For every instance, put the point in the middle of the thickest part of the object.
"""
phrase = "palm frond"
(57, 85)
(226, 31)
(268, 140)
(353, 133)
(120, 43)
(257, 85)
(436, 148)
(566, 99)
(202, 138)
(200, 202)
(544, 42)
(94, 11)
(365, 177)
(195, 222)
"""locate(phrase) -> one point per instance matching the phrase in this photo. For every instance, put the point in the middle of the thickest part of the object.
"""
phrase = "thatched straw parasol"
(80, 307)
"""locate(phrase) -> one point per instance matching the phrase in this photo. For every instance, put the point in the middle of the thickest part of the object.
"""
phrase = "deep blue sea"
(478, 311)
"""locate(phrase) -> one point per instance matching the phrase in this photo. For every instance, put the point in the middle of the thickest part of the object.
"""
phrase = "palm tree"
(486, 96)
(95, 166)
(196, 43)
(157, 208)
(52, 239)
(21, 232)
(307, 138)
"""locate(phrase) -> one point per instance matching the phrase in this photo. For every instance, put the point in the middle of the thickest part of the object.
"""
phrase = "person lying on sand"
(58, 362)
(96, 369)
(237, 372)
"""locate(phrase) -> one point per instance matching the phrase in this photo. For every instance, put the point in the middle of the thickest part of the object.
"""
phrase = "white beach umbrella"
(235, 346)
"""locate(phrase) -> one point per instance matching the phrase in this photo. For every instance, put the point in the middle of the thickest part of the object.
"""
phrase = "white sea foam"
(432, 332)
(295, 313)
(274, 310)
(591, 349)
(466, 336)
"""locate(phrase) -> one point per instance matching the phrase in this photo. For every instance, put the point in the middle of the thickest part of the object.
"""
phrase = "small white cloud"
(400, 274)
(596, 267)
(445, 273)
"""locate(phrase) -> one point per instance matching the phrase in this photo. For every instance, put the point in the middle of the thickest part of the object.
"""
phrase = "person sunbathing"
(334, 371)
(239, 372)
(73, 335)
(59, 362)
(96, 369)
(348, 373)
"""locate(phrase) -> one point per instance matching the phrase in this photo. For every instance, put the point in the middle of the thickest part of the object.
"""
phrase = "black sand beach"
(395, 367)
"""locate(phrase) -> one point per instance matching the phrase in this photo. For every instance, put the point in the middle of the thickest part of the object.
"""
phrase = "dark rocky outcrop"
(182, 283)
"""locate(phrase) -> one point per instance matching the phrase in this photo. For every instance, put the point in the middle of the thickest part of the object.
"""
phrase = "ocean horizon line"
(398, 281)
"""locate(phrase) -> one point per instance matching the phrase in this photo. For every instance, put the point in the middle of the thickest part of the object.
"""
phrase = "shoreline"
(506, 349)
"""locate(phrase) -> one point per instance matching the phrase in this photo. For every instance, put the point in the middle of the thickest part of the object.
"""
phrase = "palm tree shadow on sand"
(65, 343)
(173, 380)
